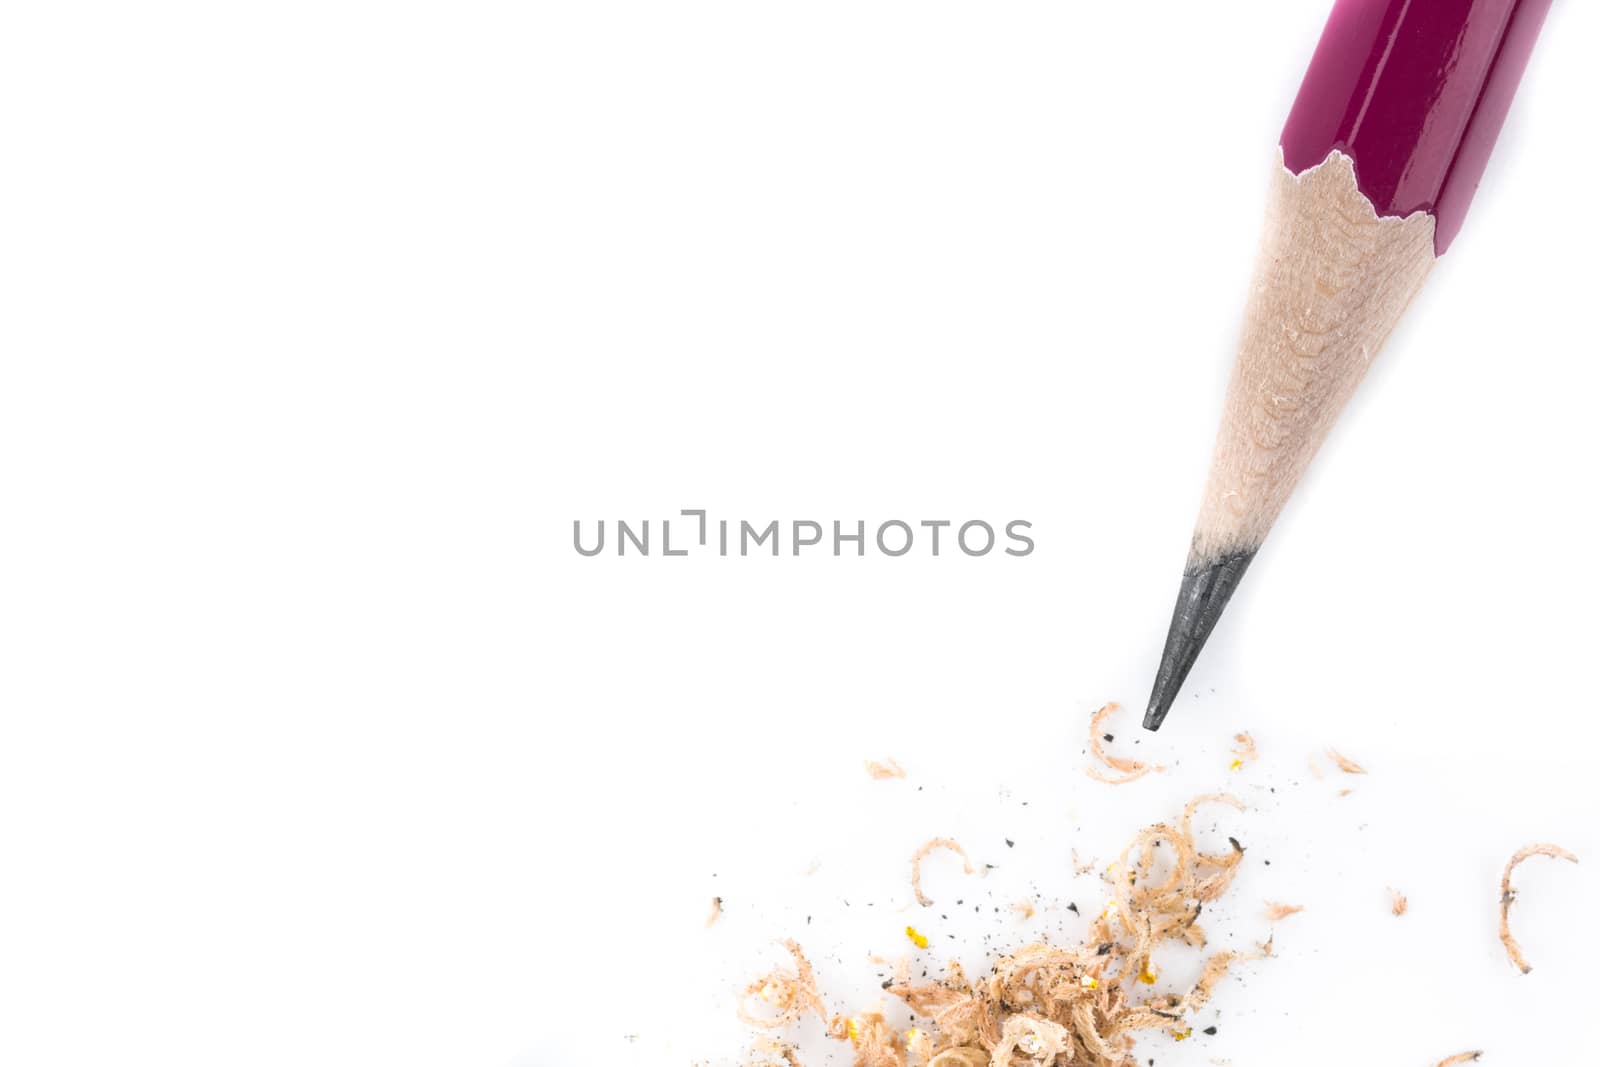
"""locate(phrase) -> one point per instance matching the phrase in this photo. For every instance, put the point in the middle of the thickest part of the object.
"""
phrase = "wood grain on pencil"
(1332, 279)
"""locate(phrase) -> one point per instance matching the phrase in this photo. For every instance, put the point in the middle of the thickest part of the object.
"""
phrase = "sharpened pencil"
(1382, 152)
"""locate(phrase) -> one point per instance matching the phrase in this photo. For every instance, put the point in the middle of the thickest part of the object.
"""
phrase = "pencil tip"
(1205, 591)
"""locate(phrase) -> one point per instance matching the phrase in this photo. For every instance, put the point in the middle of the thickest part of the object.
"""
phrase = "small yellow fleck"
(1147, 978)
(1089, 981)
(1179, 1035)
(1236, 765)
(852, 1029)
(771, 993)
(911, 1035)
(920, 940)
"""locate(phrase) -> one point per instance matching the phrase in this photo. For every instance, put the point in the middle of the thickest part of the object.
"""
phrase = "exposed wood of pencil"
(1332, 280)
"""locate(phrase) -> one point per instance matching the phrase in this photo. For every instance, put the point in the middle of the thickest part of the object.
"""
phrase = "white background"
(321, 323)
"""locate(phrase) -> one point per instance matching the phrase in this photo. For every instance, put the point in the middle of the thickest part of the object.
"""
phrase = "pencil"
(1382, 152)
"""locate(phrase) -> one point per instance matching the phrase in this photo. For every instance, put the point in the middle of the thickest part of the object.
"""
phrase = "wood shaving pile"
(1507, 895)
(1045, 1005)
(1127, 770)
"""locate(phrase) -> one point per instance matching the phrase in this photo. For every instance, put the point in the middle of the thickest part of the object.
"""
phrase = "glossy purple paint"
(1415, 92)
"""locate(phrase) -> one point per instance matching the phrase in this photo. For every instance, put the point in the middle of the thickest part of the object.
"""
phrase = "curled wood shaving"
(1244, 746)
(1127, 770)
(1187, 822)
(919, 1046)
(1277, 911)
(876, 1043)
(1037, 1038)
(921, 853)
(1345, 763)
(887, 769)
(1459, 1058)
(789, 993)
(1226, 863)
(1397, 902)
(716, 910)
(1507, 895)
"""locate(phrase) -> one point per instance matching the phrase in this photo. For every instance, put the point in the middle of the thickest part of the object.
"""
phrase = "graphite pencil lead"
(1207, 587)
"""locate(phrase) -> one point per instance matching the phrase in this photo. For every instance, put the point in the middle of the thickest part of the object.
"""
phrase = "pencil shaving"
(789, 993)
(1277, 911)
(716, 910)
(1459, 1058)
(874, 1039)
(1036, 1037)
(771, 1052)
(1226, 863)
(921, 854)
(1127, 770)
(1244, 747)
(1508, 895)
(1398, 903)
(1345, 763)
(885, 770)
